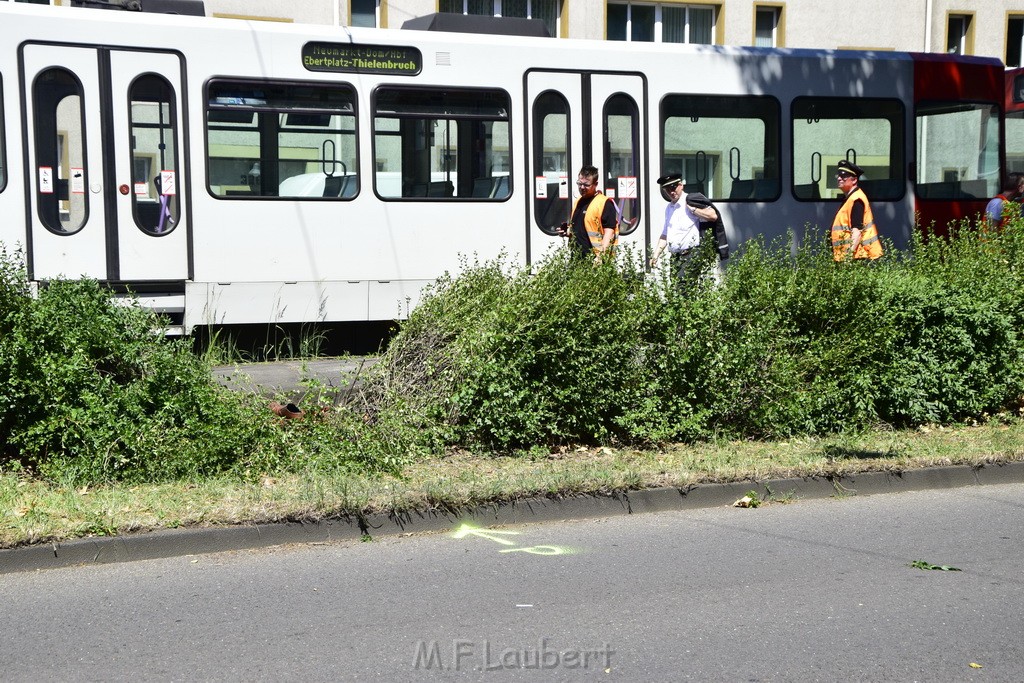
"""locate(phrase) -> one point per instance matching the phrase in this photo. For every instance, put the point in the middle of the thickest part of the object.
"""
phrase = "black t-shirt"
(857, 214)
(609, 218)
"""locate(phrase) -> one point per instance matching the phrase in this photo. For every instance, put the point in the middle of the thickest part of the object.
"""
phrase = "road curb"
(197, 541)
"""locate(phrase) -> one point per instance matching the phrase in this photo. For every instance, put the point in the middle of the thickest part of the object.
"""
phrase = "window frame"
(957, 189)
(896, 149)
(1014, 17)
(447, 190)
(497, 10)
(779, 27)
(262, 129)
(377, 14)
(60, 139)
(552, 206)
(173, 205)
(966, 38)
(631, 213)
(769, 106)
(717, 21)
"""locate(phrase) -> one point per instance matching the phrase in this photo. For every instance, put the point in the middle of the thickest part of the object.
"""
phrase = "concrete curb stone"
(196, 541)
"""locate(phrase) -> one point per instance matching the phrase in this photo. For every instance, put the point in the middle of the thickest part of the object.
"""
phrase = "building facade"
(993, 28)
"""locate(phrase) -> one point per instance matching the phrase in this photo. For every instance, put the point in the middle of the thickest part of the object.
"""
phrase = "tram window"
(726, 147)
(287, 140)
(59, 151)
(868, 132)
(957, 150)
(437, 144)
(1015, 142)
(621, 161)
(551, 156)
(154, 148)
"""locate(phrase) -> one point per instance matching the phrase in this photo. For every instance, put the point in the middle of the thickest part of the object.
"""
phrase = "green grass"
(509, 382)
(36, 511)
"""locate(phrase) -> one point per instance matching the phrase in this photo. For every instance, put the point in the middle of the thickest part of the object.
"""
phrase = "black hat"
(670, 180)
(697, 199)
(845, 166)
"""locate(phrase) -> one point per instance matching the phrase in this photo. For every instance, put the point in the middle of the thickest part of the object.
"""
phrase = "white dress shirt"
(682, 228)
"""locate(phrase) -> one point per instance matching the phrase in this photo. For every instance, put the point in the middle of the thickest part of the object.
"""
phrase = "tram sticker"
(78, 181)
(627, 187)
(168, 186)
(540, 188)
(362, 59)
(46, 179)
(141, 190)
(563, 187)
(610, 192)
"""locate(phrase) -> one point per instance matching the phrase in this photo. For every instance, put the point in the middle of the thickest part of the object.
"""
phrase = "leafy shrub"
(506, 358)
(89, 393)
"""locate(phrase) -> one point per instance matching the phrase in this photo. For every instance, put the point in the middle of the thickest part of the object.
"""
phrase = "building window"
(633, 22)
(959, 34)
(768, 26)
(545, 10)
(365, 13)
(1014, 39)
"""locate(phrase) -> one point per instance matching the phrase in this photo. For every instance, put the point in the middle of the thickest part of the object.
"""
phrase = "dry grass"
(35, 512)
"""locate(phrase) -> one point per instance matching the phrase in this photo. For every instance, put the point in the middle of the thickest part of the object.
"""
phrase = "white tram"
(246, 172)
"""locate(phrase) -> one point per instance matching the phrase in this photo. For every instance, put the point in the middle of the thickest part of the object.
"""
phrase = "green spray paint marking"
(499, 536)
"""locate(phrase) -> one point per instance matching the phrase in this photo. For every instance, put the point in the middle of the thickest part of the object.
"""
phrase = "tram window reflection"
(285, 140)
(442, 145)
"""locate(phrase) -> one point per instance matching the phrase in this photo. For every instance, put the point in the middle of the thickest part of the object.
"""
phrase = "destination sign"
(361, 59)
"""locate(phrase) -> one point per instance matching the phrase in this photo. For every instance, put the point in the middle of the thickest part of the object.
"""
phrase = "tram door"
(107, 200)
(585, 118)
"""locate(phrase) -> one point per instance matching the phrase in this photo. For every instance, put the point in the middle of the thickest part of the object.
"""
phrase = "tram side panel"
(12, 188)
(341, 196)
(761, 133)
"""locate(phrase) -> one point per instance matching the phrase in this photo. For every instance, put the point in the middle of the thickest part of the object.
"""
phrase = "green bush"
(506, 357)
(91, 392)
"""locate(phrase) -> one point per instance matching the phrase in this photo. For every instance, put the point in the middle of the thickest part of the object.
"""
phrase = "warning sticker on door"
(78, 181)
(46, 179)
(168, 186)
(540, 187)
(627, 187)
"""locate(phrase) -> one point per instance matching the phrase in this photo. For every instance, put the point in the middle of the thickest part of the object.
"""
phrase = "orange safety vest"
(842, 236)
(592, 222)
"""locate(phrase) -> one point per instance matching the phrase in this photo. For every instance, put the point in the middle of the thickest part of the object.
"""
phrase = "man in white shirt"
(681, 232)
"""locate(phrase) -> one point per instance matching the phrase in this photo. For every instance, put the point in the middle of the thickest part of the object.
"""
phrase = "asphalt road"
(294, 378)
(811, 591)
